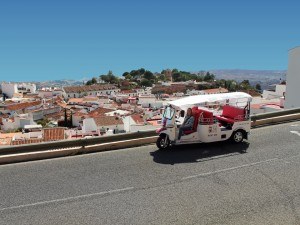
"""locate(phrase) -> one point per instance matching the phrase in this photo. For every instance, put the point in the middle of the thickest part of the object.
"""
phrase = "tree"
(89, 82)
(128, 76)
(174, 71)
(110, 73)
(146, 83)
(109, 78)
(142, 71)
(245, 85)
(94, 80)
(125, 74)
(148, 75)
(104, 78)
(44, 122)
(258, 87)
(162, 77)
(134, 73)
(176, 77)
(209, 77)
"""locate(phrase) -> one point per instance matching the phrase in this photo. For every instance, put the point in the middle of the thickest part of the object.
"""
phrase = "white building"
(279, 91)
(9, 89)
(93, 90)
(18, 121)
(12, 89)
(292, 99)
(96, 125)
(27, 88)
(150, 102)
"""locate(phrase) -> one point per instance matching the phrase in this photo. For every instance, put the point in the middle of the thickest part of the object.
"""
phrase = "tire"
(163, 143)
(237, 136)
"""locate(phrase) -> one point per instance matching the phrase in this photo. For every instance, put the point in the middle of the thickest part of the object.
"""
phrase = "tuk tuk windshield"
(169, 112)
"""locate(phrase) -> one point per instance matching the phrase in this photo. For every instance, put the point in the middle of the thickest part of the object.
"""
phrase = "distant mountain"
(251, 74)
(263, 77)
(58, 83)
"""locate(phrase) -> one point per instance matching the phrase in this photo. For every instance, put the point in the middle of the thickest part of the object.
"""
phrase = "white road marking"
(295, 132)
(228, 169)
(66, 199)
(295, 125)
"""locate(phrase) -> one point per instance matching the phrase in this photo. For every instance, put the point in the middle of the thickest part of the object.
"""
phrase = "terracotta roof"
(128, 91)
(86, 88)
(76, 100)
(80, 114)
(55, 116)
(53, 134)
(215, 90)
(99, 112)
(5, 141)
(90, 98)
(107, 121)
(8, 135)
(138, 118)
(19, 106)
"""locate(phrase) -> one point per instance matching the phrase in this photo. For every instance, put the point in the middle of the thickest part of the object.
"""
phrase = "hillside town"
(109, 104)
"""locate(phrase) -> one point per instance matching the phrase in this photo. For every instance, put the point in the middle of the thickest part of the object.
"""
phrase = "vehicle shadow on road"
(198, 152)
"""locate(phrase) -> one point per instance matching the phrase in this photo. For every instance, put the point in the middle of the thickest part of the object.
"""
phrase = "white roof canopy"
(233, 97)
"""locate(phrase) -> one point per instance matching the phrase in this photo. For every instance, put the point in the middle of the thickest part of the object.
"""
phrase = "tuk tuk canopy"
(240, 99)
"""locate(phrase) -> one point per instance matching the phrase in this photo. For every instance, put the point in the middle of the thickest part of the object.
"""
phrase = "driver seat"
(196, 113)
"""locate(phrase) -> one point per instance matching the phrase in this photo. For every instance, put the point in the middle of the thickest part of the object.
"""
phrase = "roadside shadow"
(198, 152)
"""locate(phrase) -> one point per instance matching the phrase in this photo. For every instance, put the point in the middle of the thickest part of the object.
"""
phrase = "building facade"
(292, 94)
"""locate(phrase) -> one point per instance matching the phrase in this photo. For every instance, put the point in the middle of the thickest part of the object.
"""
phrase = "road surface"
(200, 184)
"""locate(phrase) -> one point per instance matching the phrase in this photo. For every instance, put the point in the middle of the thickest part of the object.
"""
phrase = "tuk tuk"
(217, 117)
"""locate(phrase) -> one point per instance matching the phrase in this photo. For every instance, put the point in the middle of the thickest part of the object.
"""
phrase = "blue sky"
(46, 40)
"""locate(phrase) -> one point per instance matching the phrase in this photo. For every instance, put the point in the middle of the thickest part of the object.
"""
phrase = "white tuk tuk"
(217, 117)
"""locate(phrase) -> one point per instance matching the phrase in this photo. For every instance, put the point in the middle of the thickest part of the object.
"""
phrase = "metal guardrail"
(82, 142)
(274, 114)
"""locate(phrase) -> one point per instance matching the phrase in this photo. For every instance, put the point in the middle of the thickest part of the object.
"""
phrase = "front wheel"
(237, 136)
(163, 142)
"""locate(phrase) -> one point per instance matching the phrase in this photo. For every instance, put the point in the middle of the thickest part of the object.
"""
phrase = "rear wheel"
(237, 136)
(163, 142)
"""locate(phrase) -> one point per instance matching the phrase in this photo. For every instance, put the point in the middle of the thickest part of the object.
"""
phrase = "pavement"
(255, 182)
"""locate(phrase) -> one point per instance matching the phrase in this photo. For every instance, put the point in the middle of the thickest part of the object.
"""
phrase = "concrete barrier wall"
(275, 114)
(114, 142)
(82, 142)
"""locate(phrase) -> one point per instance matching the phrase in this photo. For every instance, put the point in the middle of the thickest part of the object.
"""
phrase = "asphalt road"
(200, 184)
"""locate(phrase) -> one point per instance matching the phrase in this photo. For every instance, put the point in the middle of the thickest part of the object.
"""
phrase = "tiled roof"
(5, 141)
(86, 88)
(76, 100)
(215, 90)
(138, 118)
(19, 106)
(55, 116)
(108, 121)
(53, 134)
(99, 112)
(128, 91)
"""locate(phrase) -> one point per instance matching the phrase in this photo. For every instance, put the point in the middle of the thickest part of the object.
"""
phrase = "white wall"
(28, 86)
(76, 120)
(292, 99)
(89, 125)
(19, 122)
(9, 89)
(128, 122)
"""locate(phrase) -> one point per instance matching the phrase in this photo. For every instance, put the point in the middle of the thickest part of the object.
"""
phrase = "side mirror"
(182, 113)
